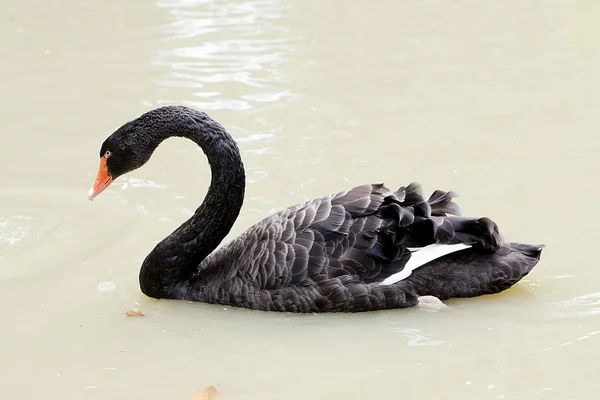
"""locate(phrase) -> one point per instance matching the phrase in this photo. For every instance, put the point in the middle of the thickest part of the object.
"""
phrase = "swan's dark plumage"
(329, 254)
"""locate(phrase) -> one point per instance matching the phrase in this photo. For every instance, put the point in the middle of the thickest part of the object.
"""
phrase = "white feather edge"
(421, 256)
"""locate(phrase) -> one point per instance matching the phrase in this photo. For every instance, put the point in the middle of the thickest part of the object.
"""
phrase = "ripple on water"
(14, 229)
(581, 306)
(212, 42)
(39, 228)
(27, 224)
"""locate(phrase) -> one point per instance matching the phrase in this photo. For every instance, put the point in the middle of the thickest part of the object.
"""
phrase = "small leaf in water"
(209, 393)
(134, 313)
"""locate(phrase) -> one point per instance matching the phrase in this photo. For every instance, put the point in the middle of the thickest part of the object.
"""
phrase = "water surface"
(495, 100)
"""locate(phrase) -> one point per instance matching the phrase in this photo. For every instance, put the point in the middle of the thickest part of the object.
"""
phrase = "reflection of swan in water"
(366, 248)
(416, 337)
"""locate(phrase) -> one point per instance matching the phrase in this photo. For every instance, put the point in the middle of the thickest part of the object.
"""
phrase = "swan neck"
(177, 257)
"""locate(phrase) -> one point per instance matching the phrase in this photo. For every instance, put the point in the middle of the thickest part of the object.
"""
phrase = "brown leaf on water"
(134, 313)
(209, 393)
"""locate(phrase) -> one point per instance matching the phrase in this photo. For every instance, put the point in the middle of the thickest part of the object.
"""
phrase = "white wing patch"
(421, 256)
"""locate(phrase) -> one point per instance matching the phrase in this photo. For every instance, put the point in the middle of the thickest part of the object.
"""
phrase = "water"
(495, 100)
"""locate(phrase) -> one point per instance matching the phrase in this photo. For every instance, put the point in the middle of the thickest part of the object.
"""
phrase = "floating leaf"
(209, 393)
(134, 313)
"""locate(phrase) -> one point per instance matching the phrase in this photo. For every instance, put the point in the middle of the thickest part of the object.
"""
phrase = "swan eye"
(107, 154)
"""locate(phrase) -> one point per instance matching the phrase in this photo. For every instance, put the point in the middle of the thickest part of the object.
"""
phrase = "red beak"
(103, 180)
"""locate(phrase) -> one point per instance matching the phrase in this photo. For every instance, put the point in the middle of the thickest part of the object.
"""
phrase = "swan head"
(125, 150)
(132, 144)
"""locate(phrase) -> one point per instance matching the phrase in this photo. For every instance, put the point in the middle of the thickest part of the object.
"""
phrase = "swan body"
(363, 249)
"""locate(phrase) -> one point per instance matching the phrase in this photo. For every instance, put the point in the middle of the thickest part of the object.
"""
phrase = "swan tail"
(475, 272)
(433, 232)
(479, 232)
(418, 221)
(458, 274)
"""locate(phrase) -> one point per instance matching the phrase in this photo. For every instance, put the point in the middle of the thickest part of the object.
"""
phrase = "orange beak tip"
(103, 180)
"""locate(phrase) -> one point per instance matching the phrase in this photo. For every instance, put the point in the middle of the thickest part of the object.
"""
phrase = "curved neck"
(177, 257)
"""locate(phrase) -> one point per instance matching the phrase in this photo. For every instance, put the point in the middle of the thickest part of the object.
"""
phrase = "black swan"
(364, 249)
